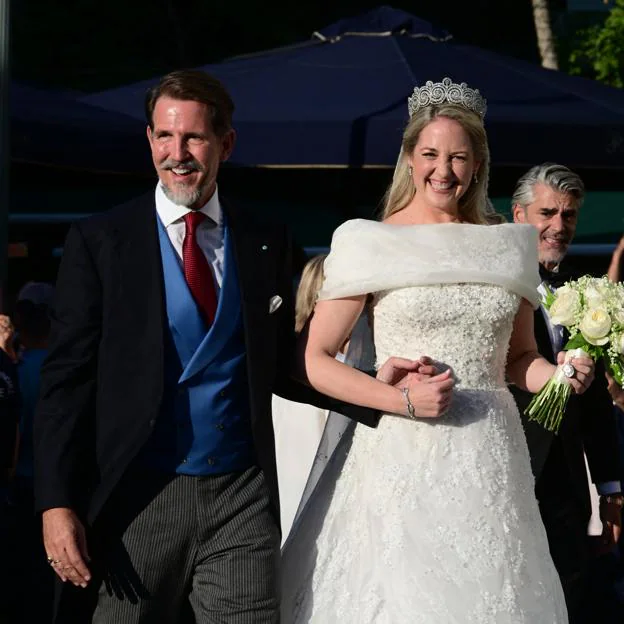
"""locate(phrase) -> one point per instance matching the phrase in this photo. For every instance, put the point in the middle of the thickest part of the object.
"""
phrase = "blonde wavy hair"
(309, 286)
(473, 205)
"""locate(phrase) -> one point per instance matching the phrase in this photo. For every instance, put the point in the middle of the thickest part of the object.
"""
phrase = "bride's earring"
(476, 180)
(410, 170)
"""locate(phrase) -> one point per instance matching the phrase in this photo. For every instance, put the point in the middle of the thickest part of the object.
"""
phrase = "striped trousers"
(187, 549)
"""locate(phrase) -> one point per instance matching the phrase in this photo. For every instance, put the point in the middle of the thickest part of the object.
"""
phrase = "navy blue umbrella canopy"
(54, 128)
(341, 99)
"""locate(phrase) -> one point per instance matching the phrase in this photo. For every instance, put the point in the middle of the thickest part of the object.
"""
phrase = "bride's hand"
(399, 372)
(431, 398)
(584, 375)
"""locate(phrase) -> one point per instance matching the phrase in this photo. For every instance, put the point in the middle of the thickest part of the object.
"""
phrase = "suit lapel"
(139, 278)
(256, 257)
(221, 329)
(542, 336)
(540, 439)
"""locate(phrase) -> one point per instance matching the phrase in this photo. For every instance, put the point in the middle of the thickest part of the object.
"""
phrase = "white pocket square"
(274, 303)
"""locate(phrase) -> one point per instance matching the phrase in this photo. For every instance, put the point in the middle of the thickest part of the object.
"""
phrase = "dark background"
(88, 45)
(91, 45)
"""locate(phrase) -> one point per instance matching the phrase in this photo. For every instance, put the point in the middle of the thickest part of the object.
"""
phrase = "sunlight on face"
(185, 150)
(555, 216)
(443, 164)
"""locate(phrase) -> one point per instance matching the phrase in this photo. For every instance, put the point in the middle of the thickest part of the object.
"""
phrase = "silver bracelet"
(410, 408)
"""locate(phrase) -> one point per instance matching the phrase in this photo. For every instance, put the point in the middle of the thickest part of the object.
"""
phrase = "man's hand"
(611, 516)
(400, 372)
(7, 334)
(616, 392)
(65, 543)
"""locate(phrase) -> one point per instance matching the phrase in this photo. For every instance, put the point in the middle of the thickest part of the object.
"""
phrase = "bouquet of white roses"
(592, 310)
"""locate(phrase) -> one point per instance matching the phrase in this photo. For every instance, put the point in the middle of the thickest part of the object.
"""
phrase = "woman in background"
(298, 427)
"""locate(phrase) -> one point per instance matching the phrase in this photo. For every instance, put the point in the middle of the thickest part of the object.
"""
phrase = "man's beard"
(554, 258)
(182, 195)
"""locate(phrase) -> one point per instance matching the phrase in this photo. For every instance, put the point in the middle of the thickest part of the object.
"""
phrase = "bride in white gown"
(431, 517)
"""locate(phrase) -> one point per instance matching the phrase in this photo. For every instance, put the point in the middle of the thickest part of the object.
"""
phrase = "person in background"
(32, 582)
(614, 273)
(32, 319)
(549, 197)
(298, 427)
(9, 404)
(9, 414)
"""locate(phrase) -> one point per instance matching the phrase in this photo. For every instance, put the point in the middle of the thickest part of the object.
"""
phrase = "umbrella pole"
(5, 159)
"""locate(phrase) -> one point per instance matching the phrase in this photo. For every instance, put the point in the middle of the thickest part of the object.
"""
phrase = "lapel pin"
(264, 247)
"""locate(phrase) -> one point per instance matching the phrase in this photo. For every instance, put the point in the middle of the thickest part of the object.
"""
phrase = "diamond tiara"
(446, 91)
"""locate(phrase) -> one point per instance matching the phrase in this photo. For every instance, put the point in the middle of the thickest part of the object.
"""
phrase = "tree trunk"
(545, 38)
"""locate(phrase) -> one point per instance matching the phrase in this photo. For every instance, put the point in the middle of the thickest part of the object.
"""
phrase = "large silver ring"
(568, 370)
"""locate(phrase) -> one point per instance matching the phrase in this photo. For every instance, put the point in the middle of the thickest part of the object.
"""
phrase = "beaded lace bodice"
(465, 326)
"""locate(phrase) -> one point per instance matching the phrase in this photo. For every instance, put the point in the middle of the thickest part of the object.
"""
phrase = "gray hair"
(558, 177)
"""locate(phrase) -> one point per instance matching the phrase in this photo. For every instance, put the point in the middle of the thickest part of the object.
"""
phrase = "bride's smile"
(443, 166)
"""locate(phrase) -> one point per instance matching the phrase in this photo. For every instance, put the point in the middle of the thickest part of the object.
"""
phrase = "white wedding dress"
(431, 521)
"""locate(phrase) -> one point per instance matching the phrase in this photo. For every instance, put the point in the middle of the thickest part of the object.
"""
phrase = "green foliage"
(578, 342)
(616, 369)
(549, 298)
(599, 49)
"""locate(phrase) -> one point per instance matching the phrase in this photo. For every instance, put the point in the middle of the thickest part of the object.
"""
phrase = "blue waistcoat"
(204, 423)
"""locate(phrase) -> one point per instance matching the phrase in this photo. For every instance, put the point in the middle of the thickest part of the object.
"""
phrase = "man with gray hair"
(549, 197)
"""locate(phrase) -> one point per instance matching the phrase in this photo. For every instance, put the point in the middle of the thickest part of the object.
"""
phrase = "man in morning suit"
(549, 196)
(173, 324)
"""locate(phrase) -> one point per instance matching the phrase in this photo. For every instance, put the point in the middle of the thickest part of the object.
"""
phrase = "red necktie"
(196, 269)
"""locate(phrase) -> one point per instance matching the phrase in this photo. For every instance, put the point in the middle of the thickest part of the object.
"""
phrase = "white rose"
(617, 306)
(618, 313)
(565, 307)
(596, 294)
(595, 326)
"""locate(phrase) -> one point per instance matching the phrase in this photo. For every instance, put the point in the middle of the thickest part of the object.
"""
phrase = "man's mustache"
(563, 238)
(170, 163)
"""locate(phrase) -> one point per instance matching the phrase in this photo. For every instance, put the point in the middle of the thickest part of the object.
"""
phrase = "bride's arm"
(329, 327)
(527, 369)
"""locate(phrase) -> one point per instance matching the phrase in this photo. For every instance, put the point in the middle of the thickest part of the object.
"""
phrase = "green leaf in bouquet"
(549, 298)
(578, 342)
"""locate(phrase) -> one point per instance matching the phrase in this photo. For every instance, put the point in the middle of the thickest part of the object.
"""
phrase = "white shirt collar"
(170, 212)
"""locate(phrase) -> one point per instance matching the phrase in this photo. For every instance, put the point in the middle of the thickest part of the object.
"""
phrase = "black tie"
(554, 279)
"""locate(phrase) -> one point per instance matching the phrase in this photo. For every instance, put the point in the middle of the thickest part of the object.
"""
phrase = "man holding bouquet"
(549, 196)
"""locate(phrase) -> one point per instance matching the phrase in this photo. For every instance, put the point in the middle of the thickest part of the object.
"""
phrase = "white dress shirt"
(209, 233)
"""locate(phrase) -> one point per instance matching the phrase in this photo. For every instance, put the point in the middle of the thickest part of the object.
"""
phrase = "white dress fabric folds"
(432, 521)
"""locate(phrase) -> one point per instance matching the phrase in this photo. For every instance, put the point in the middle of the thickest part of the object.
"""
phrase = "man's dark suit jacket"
(588, 425)
(102, 382)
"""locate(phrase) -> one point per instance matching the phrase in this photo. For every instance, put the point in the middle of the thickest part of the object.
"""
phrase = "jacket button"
(185, 461)
(212, 461)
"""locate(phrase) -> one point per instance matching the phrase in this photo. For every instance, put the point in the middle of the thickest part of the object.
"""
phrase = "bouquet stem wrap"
(549, 404)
